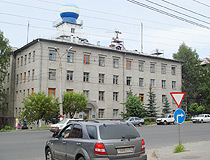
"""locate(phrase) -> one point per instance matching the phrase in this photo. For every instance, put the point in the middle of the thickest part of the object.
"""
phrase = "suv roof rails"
(91, 121)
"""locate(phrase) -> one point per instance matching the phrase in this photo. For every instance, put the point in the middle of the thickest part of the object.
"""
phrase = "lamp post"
(60, 68)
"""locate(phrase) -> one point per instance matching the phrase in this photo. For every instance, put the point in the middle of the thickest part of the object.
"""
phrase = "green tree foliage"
(134, 107)
(40, 107)
(74, 103)
(190, 72)
(151, 106)
(5, 52)
(166, 107)
(195, 109)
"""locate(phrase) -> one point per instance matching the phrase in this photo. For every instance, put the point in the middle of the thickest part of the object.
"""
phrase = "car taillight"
(142, 145)
(100, 149)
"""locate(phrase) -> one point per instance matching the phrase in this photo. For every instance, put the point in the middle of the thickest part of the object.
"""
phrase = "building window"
(33, 71)
(163, 98)
(29, 58)
(173, 84)
(115, 63)
(86, 93)
(29, 73)
(141, 96)
(70, 57)
(33, 56)
(69, 75)
(72, 30)
(28, 93)
(52, 92)
(8, 77)
(141, 66)
(24, 77)
(85, 77)
(141, 82)
(86, 59)
(152, 82)
(173, 70)
(17, 79)
(115, 96)
(69, 90)
(101, 113)
(115, 79)
(101, 78)
(163, 84)
(101, 95)
(52, 55)
(18, 61)
(21, 61)
(128, 64)
(163, 68)
(32, 91)
(25, 59)
(101, 61)
(152, 68)
(115, 113)
(21, 77)
(52, 74)
(128, 81)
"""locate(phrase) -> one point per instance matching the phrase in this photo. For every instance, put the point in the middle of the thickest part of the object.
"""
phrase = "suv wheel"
(81, 158)
(49, 155)
(165, 123)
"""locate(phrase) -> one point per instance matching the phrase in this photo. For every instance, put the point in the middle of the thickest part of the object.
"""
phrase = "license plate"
(125, 150)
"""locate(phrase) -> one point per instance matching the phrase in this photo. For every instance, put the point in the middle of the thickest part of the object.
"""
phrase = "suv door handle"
(78, 144)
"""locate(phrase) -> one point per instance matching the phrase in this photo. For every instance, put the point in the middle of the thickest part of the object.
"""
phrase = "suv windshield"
(201, 115)
(118, 131)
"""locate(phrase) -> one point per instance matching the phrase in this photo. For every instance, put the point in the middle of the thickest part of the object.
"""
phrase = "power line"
(201, 3)
(168, 14)
(186, 9)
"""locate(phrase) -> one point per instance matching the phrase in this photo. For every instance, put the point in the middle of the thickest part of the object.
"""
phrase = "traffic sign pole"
(179, 134)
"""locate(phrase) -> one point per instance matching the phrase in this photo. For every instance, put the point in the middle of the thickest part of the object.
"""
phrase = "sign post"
(179, 114)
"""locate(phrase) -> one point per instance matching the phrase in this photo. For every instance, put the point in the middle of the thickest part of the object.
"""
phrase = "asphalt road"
(29, 145)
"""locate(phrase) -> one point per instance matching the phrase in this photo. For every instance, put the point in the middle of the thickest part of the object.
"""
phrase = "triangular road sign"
(178, 97)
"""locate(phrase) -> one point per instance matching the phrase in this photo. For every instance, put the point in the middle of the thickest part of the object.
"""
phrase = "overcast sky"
(102, 17)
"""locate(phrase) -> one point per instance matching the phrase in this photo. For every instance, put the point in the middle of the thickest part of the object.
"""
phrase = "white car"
(60, 125)
(135, 120)
(166, 119)
(201, 118)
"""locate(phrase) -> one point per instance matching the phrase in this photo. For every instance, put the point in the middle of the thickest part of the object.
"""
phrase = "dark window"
(92, 132)
(118, 131)
(76, 131)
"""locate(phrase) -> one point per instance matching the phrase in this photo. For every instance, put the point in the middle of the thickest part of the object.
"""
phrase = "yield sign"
(178, 97)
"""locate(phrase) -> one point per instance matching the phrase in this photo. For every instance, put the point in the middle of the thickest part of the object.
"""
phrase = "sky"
(140, 26)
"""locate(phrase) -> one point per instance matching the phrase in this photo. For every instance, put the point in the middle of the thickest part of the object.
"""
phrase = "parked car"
(96, 140)
(201, 118)
(166, 119)
(135, 120)
(60, 125)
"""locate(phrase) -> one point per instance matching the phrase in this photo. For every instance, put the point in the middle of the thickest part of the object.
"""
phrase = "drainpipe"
(41, 52)
(124, 82)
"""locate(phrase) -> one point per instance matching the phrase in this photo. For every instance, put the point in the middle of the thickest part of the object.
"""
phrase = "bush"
(150, 119)
(179, 148)
(7, 128)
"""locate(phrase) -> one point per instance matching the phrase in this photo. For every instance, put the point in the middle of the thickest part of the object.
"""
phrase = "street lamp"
(60, 68)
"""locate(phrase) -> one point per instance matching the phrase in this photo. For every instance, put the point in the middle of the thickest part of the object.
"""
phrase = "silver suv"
(96, 141)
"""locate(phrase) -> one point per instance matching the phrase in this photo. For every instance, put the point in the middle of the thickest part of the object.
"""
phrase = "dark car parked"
(96, 140)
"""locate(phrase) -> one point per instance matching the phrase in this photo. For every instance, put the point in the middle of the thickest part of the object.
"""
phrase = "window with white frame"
(141, 66)
(115, 79)
(70, 57)
(18, 61)
(152, 68)
(21, 77)
(115, 63)
(152, 82)
(128, 81)
(52, 74)
(163, 84)
(21, 61)
(33, 56)
(86, 93)
(101, 61)
(163, 68)
(115, 96)
(17, 79)
(101, 113)
(85, 77)
(101, 78)
(101, 95)
(29, 75)
(25, 59)
(72, 30)
(33, 72)
(29, 58)
(141, 82)
(115, 113)
(52, 55)
(173, 84)
(173, 70)
(69, 75)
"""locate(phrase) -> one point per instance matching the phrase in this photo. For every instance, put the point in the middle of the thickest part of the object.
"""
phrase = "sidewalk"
(194, 151)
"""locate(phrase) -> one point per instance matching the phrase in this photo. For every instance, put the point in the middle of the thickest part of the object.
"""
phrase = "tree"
(190, 72)
(195, 109)
(166, 107)
(5, 52)
(74, 103)
(151, 106)
(134, 107)
(38, 106)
